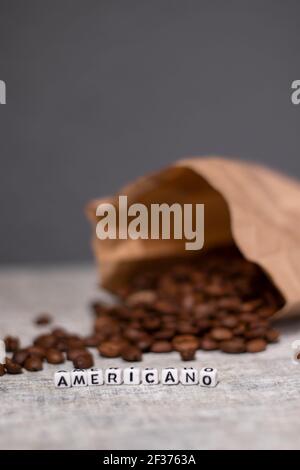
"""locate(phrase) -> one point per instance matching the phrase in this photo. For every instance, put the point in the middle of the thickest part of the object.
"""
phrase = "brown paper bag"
(247, 205)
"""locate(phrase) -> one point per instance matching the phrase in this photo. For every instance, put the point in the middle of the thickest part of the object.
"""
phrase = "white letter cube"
(79, 378)
(189, 376)
(62, 379)
(132, 376)
(113, 376)
(208, 377)
(150, 376)
(95, 376)
(169, 376)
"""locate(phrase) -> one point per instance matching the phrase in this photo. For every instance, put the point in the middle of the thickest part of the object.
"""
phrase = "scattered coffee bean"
(111, 348)
(272, 336)
(12, 367)
(33, 364)
(187, 354)
(36, 351)
(83, 361)
(12, 343)
(45, 341)
(19, 357)
(233, 346)
(256, 345)
(131, 354)
(2, 370)
(221, 334)
(73, 353)
(54, 356)
(208, 344)
(161, 347)
(43, 319)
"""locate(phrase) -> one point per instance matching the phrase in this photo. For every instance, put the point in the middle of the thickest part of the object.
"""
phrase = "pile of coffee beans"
(220, 302)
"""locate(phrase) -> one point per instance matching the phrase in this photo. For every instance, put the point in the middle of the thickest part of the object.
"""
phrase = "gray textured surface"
(256, 404)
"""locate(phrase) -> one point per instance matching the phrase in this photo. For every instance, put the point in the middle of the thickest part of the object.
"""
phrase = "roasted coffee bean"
(83, 361)
(186, 328)
(144, 343)
(92, 341)
(54, 356)
(229, 321)
(74, 342)
(142, 297)
(20, 356)
(59, 333)
(161, 347)
(256, 345)
(239, 330)
(221, 334)
(2, 370)
(12, 343)
(43, 319)
(272, 335)
(36, 351)
(187, 354)
(46, 341)
(255, 333)
(208, 344)
(111, 348)
(131, 354)
(73, 353)
(233, 346)
(33, 364)
(12, 367)
(164, 334)
(151, 323)
(182, 342)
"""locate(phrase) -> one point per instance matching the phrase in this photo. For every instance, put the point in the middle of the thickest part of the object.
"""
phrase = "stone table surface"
(255, 406)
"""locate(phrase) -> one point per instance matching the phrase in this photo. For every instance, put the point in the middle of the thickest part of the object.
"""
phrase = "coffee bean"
(59, 333)
(255, 333)
(142, 297)
(73, 353)
(12, 343)
(74, 342)
(2, 370)
(208, 344)
(43, 319)
(36, 351)
(20, 356)
(161, 347)
(164, 334)
(92, 341)
(187, 354)
(45, 341)
(54, 356)
(12, 367)
(272, 335)
(256, 345)
(131, 354)
(233, 346)
(83, 361)
(221, 334)
(33, 364)
(229, 321)
(183, 342)
(111, 348)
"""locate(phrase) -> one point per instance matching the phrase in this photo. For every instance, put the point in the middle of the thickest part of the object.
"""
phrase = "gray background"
(102, 91)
